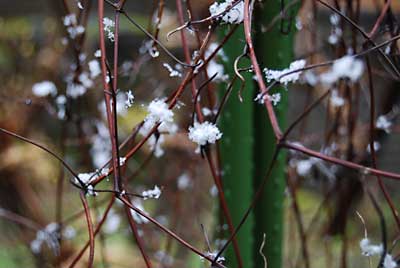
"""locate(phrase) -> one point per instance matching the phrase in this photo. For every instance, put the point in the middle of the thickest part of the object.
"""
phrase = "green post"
(275, 51)
(237, 151)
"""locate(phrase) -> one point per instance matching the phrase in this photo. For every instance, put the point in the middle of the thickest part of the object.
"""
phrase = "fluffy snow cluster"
(369, 249)
(345, 67)
(71, 23)
(184, 182)
(232, 15)
(158, 112)
(154, 193)
(336, 100)
(94, 68)
(285, 76)
(44, 88)
(382, 122)
(203, 133)
(389, 262)
(336, 31)
(85, 80)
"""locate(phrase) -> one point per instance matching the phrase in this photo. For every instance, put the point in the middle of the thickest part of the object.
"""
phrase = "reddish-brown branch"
(90, 229)
(372, 145)
(169, 232)
(98, 227)
(109, 95)
(256, 68)
(138, 240)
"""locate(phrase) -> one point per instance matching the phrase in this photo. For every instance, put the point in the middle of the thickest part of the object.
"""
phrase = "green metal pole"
(274, 50)
(237, 151)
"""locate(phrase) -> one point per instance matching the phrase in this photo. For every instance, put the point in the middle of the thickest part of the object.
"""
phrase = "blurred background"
(34, 189)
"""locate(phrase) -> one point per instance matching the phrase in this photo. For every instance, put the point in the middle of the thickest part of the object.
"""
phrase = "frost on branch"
(232, 15)
(212, 255)
(108, 28)
(129, 99)
(275, 98)
(283, 76)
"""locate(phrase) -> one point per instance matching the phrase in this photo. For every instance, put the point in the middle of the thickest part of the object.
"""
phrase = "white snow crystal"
(155, 193)
(74, 90)
(87, 177)
(61, 100)
(122, 161)
(212, 255)
(90, 190)
(70, 19)
(214, 191)
(97, 53)
(368, 249)
(94, 68)
(172, 72)
(184, 181)
(382, 122)
(310, 78)
(129, 99)
(44, 88)
(336, 100)
(280, 75)
(234, 15)
(345, 67)
(49, 236)
(303, 167)
(389, 262)
(203, 133)
(262, 97)
(158, 112)
(85, 80)
(108, 26)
